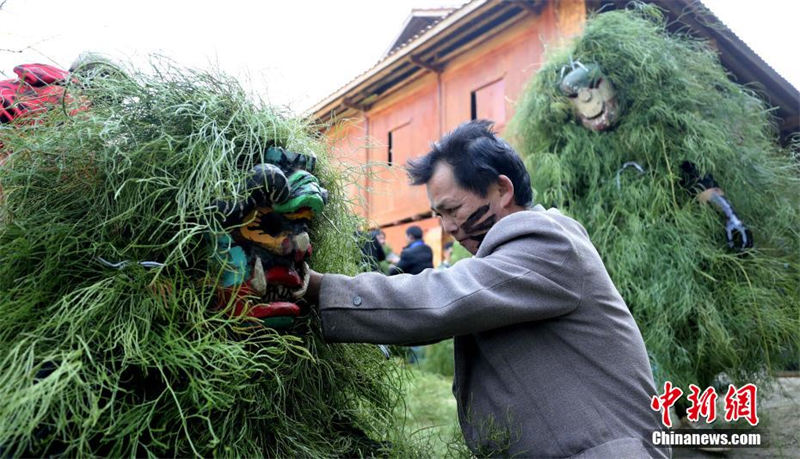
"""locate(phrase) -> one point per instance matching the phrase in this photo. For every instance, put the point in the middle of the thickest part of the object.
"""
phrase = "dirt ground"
(779, 416)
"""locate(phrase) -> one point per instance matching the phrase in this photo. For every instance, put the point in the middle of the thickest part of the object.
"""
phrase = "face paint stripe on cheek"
(486, 225)
(473, 218)
(477, 231)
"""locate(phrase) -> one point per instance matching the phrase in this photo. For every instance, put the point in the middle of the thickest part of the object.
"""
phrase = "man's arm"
(525, 280)
(380, 255)
(402, 264)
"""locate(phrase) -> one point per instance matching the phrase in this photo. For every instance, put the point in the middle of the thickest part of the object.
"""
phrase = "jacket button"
(356, 301)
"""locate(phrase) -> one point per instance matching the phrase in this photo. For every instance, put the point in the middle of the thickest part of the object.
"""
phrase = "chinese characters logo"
(739, 403)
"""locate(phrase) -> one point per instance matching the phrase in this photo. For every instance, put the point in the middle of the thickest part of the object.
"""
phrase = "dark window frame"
(389, 149)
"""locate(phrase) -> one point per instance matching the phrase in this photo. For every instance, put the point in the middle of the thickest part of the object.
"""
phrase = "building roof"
(428, 44)
(420, 20)
(428, 50)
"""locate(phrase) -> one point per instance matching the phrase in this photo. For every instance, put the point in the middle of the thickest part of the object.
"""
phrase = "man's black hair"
(478, 157)
(415, 232)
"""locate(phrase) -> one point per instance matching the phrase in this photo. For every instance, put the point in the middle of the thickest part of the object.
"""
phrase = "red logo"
(704, 404)
(664, 402)
(739, 403)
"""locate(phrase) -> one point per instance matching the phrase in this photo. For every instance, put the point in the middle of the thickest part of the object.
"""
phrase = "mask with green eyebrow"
(263, 254)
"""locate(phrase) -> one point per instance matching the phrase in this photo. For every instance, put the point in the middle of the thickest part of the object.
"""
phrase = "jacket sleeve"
(403, 264)
(377, 249)
(525, 279)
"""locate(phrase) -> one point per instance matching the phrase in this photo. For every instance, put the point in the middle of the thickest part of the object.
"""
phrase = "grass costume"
(119, 226)
(648, 185)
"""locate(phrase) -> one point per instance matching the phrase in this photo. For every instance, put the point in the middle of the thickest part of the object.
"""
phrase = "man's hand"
(706, 188)
(739, 236)
(246, 301)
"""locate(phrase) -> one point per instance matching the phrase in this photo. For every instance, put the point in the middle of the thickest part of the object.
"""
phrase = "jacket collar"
(414, 244)
(513, 226)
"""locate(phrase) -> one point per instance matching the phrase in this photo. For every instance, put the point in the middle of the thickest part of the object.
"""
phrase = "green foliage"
(137, 362)
(438, 358)
(430, 416)
(459, 253)
(385, 264)
(702, 308)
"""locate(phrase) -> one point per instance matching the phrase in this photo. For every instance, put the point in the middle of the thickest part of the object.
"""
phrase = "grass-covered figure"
(636, 132)
(113, 341)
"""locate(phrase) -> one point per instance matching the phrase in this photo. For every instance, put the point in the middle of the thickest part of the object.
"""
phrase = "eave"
(429, 51)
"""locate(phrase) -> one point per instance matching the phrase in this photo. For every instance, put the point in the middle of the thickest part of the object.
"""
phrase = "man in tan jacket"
(549, 361)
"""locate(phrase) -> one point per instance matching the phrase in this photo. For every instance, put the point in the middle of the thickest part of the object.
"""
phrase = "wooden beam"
(435, 68)
(489, 17)
(348, 103)
(532, 6)
(411, 219)
(513, 22)
(428, 40)
(789, 126)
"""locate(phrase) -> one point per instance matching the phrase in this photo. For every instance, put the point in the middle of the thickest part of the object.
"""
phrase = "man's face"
(465, 215)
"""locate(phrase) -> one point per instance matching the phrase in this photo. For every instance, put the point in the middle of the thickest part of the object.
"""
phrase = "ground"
(430, 415)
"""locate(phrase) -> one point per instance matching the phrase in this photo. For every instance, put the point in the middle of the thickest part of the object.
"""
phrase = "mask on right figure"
(591, 95)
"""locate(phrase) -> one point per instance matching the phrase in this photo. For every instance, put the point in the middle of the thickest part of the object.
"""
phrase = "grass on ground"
(430, 414)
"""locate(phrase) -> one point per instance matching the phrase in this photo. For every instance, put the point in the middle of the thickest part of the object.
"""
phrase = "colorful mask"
(591, 94)
(264, 254)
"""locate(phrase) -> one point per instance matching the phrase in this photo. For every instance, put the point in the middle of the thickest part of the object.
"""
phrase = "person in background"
(372, 251)
(416, 256)
(391, 257)
(447, 252)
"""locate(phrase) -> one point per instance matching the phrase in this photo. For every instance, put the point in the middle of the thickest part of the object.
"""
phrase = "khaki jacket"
(549, 361)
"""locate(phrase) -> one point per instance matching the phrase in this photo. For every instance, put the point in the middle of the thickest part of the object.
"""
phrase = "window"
(473, 106)
(397, 144)
(389, 150)
(489, 102)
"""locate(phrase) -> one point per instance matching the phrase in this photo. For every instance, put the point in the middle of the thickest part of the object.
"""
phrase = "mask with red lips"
(268, 244)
